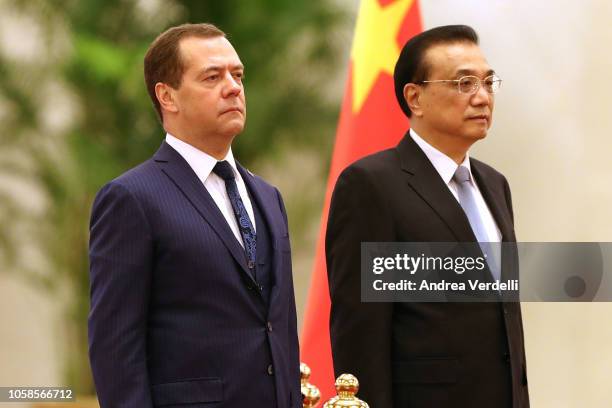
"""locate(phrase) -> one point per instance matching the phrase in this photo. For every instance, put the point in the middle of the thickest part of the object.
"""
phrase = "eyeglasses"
(470, 84)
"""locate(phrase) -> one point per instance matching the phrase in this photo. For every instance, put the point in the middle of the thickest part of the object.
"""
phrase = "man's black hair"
(411, 66)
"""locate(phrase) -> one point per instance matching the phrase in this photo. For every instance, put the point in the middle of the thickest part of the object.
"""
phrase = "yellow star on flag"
(375, 49)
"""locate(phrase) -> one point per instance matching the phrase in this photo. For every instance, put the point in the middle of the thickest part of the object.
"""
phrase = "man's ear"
(412, 92)
(165, 96)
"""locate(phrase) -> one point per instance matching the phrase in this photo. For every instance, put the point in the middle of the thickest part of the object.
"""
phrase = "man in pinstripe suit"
(191, 290)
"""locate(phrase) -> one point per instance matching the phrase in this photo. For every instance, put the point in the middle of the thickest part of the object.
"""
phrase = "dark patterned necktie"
(224, 170)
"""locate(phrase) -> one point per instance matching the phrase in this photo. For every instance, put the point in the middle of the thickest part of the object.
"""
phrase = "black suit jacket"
(414, 355)
(176, 318)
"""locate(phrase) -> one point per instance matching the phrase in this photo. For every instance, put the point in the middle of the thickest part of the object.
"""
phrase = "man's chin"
(476, 134)
(233, 128)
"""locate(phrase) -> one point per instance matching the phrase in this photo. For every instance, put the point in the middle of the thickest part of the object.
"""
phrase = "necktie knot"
(224, 170)
(462, 174)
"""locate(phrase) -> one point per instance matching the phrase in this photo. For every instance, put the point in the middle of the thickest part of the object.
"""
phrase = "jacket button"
(507, 357)
(269, 326)
(251, 264)
(270, 370)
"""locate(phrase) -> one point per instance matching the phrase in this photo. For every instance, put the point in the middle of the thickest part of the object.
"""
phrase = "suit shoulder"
(144, 170)
(138, 175)
(135, 180)
(373, 164)
(486, 170)
(260, 182)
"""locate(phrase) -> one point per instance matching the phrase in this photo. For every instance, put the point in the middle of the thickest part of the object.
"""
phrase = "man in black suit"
(427, 354)
(192, 299)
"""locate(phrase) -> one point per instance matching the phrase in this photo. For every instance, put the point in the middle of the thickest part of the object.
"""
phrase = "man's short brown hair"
(163, 63)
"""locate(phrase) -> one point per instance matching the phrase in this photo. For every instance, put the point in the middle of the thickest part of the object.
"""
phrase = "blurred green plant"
(91, 59)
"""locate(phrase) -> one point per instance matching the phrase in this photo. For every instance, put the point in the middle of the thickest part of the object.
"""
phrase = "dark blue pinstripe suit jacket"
(175, 316)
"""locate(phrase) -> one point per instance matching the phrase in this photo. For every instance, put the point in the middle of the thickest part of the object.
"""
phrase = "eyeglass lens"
(469, 84)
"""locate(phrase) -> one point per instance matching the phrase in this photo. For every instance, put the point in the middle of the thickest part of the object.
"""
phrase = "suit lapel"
(498, 205)
(181, 174)
(265, 207)
(427, 183)
(495, 201)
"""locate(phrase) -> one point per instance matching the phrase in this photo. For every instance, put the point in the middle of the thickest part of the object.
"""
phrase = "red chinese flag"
(370, 120)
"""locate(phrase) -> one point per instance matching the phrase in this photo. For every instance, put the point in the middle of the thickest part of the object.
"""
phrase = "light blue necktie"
(468, 203)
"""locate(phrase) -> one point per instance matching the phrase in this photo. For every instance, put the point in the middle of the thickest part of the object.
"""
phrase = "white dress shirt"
(446, 167)
(203, 164)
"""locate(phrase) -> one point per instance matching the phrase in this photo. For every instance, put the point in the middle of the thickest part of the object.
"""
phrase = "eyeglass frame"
(458, 81)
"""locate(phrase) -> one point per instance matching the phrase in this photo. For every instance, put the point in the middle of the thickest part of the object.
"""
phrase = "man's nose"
(232, 86)
(481, 96)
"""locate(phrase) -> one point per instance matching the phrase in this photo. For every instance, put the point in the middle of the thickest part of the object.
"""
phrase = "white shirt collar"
(443, 164)
(202, 163)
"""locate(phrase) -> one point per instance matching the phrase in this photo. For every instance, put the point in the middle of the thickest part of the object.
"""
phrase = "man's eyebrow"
(219, 68)
(463, 72)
